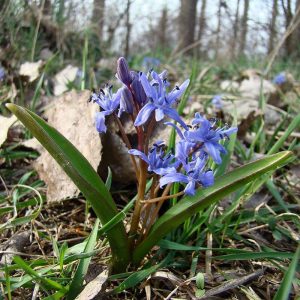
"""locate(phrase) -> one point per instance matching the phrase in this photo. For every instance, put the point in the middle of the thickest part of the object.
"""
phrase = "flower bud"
(126, 102)
(123, 72)
(138, 92)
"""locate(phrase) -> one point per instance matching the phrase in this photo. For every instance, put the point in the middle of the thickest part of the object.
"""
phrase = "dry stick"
(231, 284)
(208, 253)
(293, 25)
(127, 143)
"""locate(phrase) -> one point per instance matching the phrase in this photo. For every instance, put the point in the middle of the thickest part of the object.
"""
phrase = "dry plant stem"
(148, 134)
(128, 145)
(162, 198)
(138, 205)
(157, 208)
(147, 208)
(208, 253)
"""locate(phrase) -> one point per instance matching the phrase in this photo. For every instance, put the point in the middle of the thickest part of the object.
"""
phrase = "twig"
(228, 285)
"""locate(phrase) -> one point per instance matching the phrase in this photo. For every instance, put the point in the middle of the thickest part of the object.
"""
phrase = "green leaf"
(139, 276)
(44, 281)
(83, 175)
(255, 255)
(76, 284)
(285, 287)
(294, 124)
(223, 186)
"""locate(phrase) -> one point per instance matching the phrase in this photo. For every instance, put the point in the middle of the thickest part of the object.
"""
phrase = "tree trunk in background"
(187, 23)
(244, 26)
(47, 8)
(288, 18)
(235, 29)
(202, 26)
(272, 28)
(296, 35)
(98, 18)
(162, 29)
(128, 29)
(219, 15)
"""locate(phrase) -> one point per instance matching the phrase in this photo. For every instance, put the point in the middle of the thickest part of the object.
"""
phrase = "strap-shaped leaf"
(83, 175)
(223, 186)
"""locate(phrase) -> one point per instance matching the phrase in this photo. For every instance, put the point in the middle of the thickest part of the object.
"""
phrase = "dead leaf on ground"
(253, 87)
(5, 124)
(61, 79)
(31, 69)
(72, 116)
(93, 288)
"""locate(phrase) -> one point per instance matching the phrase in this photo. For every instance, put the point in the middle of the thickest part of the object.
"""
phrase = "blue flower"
(279, 78)
(109, 102)
(2, 73)
(217, 101)
(158, 161)
(207, 137)
(159, 101)
(194, 177)
(202, 138)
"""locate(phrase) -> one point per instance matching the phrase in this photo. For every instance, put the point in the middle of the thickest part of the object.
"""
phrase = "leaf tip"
(11, 107)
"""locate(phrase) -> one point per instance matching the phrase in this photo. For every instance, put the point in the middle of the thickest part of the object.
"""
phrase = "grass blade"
(285, 287)
(76, 284)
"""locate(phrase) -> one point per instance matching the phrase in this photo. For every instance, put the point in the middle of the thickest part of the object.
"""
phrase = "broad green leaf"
(83, 175)
(76, 284)
(285, 286)
(223, 186)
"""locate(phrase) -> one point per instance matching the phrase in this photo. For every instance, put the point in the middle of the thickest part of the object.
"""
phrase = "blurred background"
(219, 29)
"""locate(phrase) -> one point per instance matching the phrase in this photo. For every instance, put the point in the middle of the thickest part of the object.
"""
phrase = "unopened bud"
(123, 71)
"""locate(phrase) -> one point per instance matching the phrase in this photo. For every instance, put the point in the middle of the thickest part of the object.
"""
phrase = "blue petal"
(144, 114)
(176, 128)
(164, 171)
(173, 114)
(140, 154)
(149, 90)
(173, 177)
(214, 151)
(207, 178)
(190, 188)
(100, 121)
(159, 114)
(176, 93)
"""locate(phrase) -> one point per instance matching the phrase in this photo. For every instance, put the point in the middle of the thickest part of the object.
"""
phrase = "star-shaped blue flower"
(194, 177)
(158, 161)
(159, 101)
(108, 102)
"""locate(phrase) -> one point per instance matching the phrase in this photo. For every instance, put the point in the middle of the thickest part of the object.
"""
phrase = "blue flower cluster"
(280, 78)
(147, 98)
